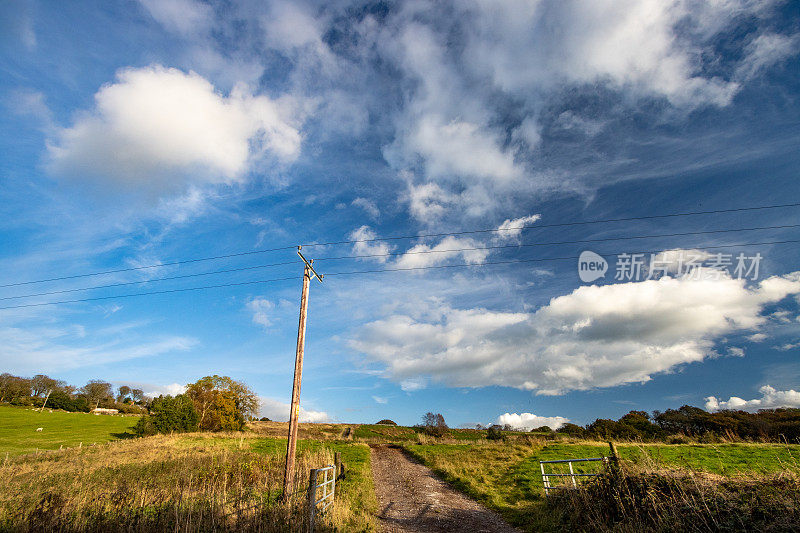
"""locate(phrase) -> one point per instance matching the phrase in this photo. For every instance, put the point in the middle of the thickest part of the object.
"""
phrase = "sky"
(496, 141)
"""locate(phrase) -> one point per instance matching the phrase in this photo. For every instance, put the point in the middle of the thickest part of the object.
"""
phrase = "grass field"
(197, 482)
(18, 426)
(507, 477)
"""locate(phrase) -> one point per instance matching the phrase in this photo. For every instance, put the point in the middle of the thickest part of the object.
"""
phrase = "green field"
(18, 426)
(507, 476)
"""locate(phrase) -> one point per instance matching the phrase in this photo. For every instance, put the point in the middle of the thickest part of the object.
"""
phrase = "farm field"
(18, 426)
(196, 482)
(507, 476)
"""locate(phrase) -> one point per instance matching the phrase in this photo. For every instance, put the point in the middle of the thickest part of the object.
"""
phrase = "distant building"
(104, 411)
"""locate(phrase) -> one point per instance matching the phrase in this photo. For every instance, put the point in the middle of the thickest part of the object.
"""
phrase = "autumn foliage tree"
(222, 403)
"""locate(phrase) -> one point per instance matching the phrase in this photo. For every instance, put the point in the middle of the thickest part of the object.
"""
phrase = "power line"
(130, 269)
(366, 256)
(553, 243)
(144, 281)
(399, 269)
(556, 225)
(417, 236)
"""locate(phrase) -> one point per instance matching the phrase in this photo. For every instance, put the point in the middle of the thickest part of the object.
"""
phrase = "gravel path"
(413, 499)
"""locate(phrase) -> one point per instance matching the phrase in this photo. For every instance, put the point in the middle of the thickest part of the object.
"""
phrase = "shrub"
(387, 422)
(167, 415)
(494, 432)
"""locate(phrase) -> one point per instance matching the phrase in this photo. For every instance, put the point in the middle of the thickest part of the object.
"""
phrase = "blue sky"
(140, 133)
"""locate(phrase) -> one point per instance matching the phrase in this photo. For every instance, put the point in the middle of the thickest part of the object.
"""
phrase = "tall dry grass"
(159, 483)
(640, 498)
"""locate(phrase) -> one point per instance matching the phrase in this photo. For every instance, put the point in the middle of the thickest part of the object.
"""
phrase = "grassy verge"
(190, 483)
(18, 426)
(506, 476)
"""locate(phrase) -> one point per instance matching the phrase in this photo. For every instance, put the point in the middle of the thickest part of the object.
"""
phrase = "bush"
(387, 422)
(61, 400)
(494, 433)
(168, 415)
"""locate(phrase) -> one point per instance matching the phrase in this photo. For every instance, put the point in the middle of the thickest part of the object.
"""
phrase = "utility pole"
(294, 410)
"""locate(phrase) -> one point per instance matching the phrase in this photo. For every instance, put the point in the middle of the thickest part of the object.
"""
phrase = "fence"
(572, 474)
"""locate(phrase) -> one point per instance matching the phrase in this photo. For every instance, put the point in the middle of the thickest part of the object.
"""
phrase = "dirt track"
(412, 499)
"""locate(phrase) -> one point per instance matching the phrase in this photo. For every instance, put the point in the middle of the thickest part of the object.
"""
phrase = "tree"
(542, 429)
(573, 430)
(123, 392)
(434, 424)
(96, 391)
(41, 385)
(222, 403)
(137, 395)
(13, 387)
(168, 415)
(387, 422)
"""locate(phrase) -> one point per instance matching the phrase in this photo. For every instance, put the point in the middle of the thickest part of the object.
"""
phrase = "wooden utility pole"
(294, 410)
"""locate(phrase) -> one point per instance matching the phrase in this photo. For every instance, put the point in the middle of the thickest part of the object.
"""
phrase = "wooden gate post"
(312, 499)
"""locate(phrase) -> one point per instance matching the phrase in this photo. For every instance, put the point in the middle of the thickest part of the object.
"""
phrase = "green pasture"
(18, 426)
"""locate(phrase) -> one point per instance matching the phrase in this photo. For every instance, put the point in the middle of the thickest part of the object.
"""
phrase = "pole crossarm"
(310, 265)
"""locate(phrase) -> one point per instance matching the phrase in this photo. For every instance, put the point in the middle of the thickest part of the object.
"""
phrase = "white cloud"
(596, 336)
(278, 411)
(160, 128)
(172, 390)
(511, 229)
(32, 349)
(428, 202)
(185, 17)
(422, 255)
(770, 399)
(764, 51)
(413, 384)
(528, 421)
(261, 307)
(367, 245)
(380, 399)
(788, 346)
(368, 206)
(757, 337)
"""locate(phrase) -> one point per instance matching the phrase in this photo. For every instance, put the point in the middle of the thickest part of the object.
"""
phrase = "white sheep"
(39, 429)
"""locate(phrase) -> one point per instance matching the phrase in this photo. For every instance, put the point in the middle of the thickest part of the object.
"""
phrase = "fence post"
(337, 463)
(312, 499)
(615, 468)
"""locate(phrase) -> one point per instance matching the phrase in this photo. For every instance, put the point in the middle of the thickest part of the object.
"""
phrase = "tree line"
(777, 425)
(212, 403)
(44, 391)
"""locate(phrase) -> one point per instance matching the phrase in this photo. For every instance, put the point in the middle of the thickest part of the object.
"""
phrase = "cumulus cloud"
(278, 411)
(596, 336)
(261, 307)
(770, 399)
(172, 389)
(528, 421)
(160, 128)
(367, 246)
(423, 255)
